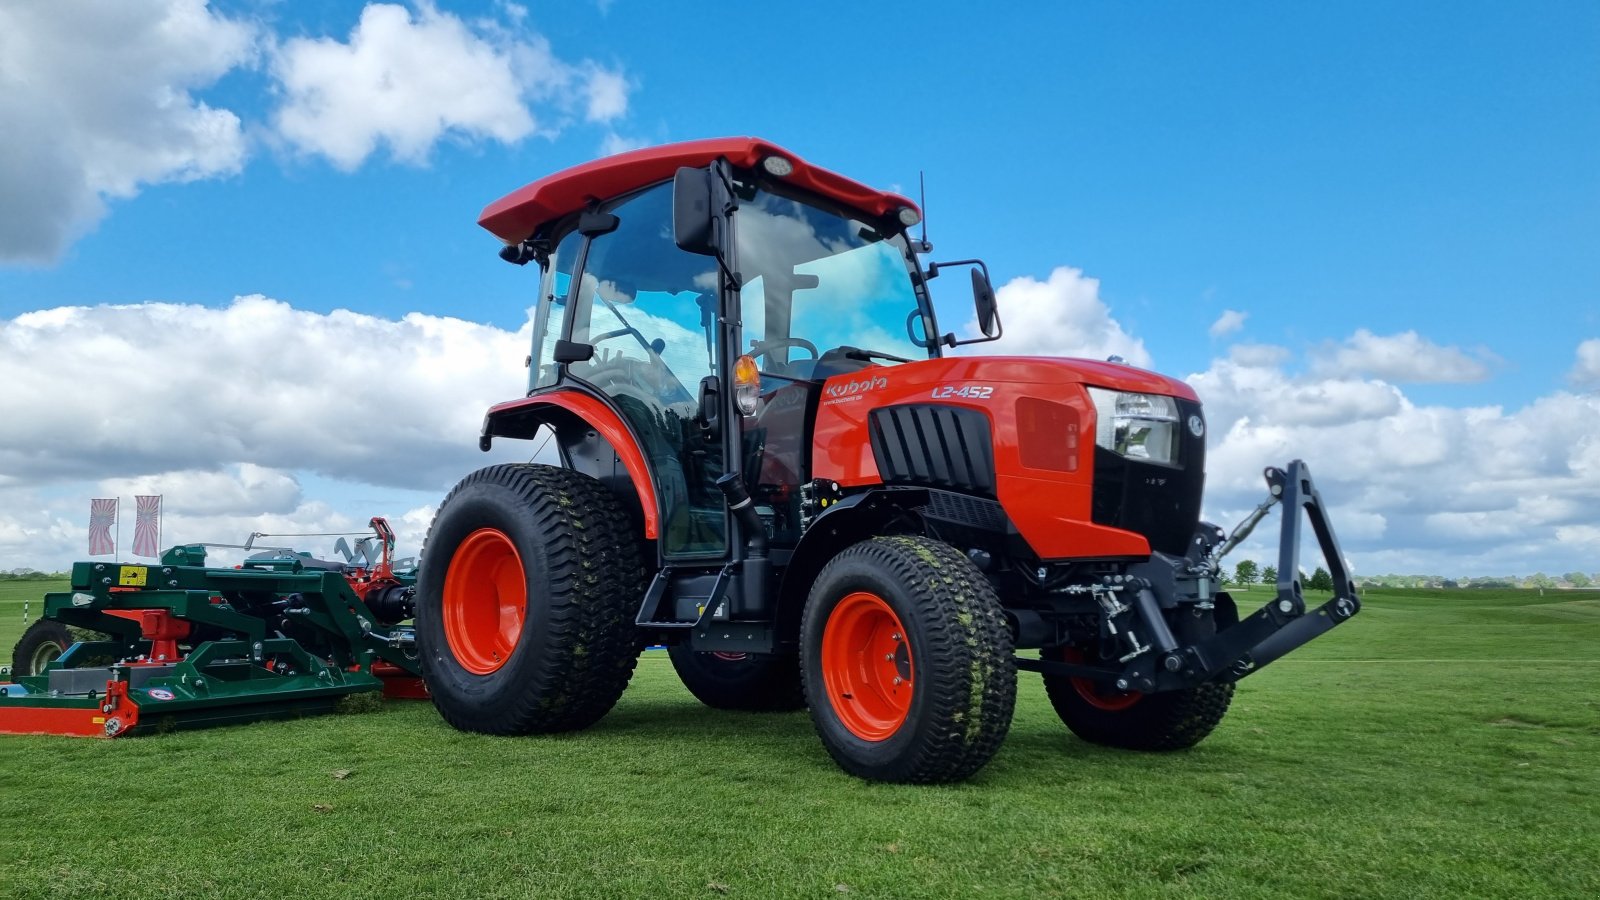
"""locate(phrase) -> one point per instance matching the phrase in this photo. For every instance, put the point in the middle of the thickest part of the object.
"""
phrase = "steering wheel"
(757, 348)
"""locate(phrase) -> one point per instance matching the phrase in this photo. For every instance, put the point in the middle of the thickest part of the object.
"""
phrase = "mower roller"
(767, 462)
(185, 645)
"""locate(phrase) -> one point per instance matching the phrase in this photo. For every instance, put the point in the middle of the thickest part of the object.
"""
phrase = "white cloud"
(130, 392)
(97, 102)
(405, 81)
(1061, 316)
(1586, 372)
(1481, 490)
(1229, 322)
(239, 489)
(608, 95)
(1404, 357)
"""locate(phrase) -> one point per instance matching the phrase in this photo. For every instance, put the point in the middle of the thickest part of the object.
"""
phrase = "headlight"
(1138, 426)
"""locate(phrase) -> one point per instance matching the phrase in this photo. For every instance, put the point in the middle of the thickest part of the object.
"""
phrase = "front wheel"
(907, 662)
(1130, 720)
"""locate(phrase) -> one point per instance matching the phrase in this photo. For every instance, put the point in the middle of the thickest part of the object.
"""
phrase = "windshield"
(816, 281)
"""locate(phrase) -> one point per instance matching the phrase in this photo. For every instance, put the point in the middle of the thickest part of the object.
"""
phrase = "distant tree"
(1269, 575)
(1541, 580)
(1246, 572)
(1578, 579)
(1320, 580)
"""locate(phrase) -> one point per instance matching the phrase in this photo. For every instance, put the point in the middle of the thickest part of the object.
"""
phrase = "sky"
(239, 264)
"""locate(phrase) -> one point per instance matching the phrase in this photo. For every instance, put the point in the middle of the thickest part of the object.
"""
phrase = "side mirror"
(572, 352)
(983, 299)
(691, 211)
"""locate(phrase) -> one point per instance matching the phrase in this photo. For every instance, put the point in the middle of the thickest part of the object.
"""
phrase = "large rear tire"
(907, 662)
(43, 642)
(1100, 714)
(740, 681)
(526, 596)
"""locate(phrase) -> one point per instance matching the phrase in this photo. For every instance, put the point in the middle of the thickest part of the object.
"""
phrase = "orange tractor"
(768, 463)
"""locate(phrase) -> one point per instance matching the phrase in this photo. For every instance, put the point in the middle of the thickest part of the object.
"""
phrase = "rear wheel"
(740, 681)
(1101, 714)
(907, 662)
(525, 601)
(43, 642)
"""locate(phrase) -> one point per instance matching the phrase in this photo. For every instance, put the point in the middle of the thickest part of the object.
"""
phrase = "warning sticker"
(133, 576)
(159, 694)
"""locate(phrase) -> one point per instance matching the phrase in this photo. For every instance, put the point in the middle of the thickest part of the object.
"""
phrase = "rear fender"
(594, 440)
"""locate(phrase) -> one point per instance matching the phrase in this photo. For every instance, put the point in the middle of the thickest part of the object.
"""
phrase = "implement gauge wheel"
(526, 595)
(740, 681)
(907, 662)
(1101, 714)
(43, 642)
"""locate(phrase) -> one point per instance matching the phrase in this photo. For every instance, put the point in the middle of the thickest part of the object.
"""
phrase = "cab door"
(647, 309)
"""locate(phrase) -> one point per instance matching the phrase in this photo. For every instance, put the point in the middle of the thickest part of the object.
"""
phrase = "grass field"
(1440, 744)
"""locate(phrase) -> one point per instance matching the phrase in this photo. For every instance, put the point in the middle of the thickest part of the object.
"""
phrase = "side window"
(554, 286)
(645, 306)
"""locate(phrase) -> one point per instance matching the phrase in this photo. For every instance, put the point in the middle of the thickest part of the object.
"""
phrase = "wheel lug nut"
(898, 637)
(899, 680)
(888, 657)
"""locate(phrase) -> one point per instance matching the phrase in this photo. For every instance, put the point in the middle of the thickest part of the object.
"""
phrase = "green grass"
(1440, 744)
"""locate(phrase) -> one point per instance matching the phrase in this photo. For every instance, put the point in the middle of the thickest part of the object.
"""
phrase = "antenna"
(922, 200)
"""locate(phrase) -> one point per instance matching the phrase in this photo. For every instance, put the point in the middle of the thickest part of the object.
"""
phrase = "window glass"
(552, 314)
(816, 281)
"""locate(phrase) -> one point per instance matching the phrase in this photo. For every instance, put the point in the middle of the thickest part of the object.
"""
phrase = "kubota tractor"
(768, 463)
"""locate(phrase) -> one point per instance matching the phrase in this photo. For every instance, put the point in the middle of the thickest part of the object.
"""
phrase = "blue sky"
(1398, 204)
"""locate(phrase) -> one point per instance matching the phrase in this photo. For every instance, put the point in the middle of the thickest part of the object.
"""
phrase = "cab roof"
(517, 215)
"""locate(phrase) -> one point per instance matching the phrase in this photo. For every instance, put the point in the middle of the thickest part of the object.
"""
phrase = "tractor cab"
(709, 308)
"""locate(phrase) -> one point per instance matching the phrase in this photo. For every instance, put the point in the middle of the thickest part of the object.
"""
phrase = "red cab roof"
(515, 216)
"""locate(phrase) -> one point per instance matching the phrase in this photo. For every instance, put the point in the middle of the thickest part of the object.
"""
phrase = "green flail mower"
(184, 645)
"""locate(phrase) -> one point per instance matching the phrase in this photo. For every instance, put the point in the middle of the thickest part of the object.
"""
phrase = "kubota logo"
(860, 386)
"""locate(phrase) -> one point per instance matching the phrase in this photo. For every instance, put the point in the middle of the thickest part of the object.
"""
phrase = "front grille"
(933, 446)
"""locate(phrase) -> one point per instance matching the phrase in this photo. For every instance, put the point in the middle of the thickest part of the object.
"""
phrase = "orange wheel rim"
(1095, 693)
(867, 666)
(485, 601)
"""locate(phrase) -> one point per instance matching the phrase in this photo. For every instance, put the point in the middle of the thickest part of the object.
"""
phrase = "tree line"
(1248, 572)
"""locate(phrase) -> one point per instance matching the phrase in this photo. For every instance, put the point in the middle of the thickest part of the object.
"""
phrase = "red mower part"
(399, 684)
(867, 666)
(163, 630)
(485, 601)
